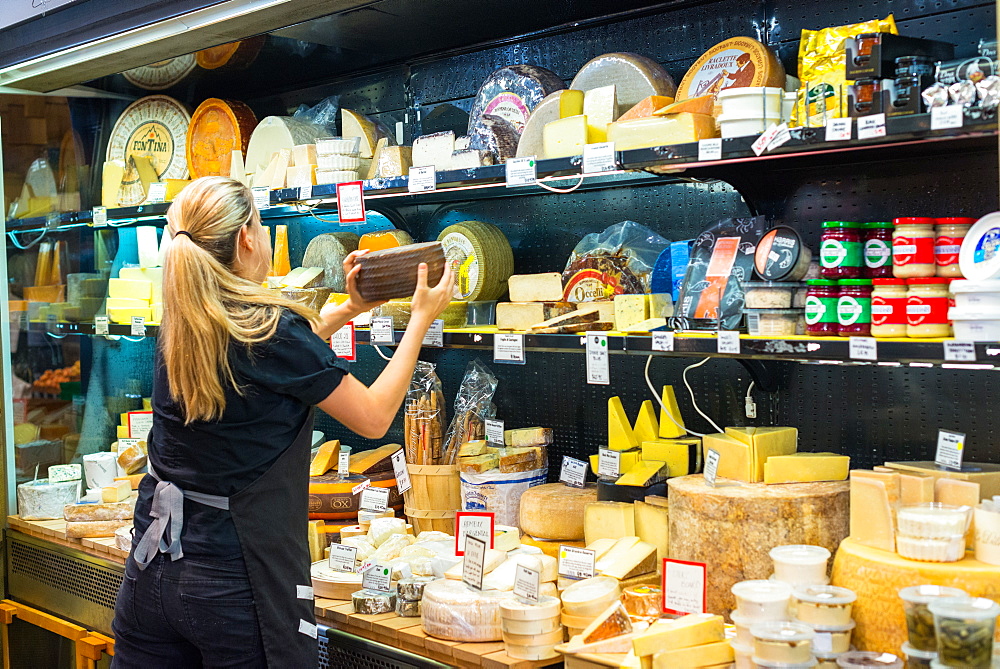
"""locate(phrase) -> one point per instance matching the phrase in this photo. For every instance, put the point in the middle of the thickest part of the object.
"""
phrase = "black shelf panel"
(62, 329)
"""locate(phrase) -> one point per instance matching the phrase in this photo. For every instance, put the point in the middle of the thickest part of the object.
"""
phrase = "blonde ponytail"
(207, 306)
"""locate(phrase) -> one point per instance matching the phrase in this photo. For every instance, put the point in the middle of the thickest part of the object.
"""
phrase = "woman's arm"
(335, 316)
(370, 410)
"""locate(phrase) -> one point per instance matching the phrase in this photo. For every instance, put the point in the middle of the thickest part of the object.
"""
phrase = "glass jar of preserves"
(854, 307)
(840, 250)
(913, 248)
(927, 304)
(821, 308)
(878, 250)
(948, 243)
(889, 307)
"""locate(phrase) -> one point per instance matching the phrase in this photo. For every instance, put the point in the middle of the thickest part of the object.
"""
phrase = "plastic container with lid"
(945, 549)
(975, 325)
(913, 248)
(800, 565)
(854, 307)
(950, 232)
(821, 308)
(781, 255)
(919, 620)
(785, 642)
(889, 307)
(878, 250)
(841, 252)
(769, 294)
(823, 605)
(743, 125)
(826, 660)
(743, 654)
(757, 101)
(933, 520)
(979, 258)
(742, 624)
(773, 322)
(833, 638)
(864, 659)
(964, 628)
(761, 600)
(918, 659)
(927, 304)
(976, 294)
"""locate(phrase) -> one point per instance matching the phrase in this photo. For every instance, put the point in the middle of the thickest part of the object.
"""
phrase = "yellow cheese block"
(608, 520)
(174, 188)
(661, 131)
(117, 492)
(707, 655)
(695, 629)
(566, 137)
(915, 488)
(872, 518)
(647, 472)
(325, 458)
(765, 442)
(704, 104)
(630, 310)
(301, 176)
(111, 181)
(682, 456)
(646, 107)
(304, 155)
(570, 102)
(281, 264)
(646, 427)
(806, 468)
(600, 106)
(669, 429)
(620, 434)
(125, 316)
(151, 274)
(987, 475)
(122, 431)
(147, 173)
(135, 289)
(735, 457)
(652, 525)
(157, 309)
(127, 303)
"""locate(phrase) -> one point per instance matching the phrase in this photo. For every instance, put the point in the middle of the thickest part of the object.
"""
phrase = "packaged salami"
(614, 262)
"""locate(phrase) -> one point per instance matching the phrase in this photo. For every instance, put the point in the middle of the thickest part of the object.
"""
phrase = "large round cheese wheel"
(218, 127)
(154, 126)
(511, 93)
(737, 62)
(555, 510)
(531, 142)
(635, 77)
(877, 576)
(232, 56)
(331, 497)
(328, 251)
(274, 133)
(451, 610)
(162, 74)
(482, 258)
(330, 584)
(550, 546)
(733, 527)
(384, 239)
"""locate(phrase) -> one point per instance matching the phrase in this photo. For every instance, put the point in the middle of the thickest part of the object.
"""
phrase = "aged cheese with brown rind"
(510, 94)
(218, 127)
(554, 511)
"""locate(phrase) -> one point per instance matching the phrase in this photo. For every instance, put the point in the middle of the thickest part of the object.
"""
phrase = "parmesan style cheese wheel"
(482, 258)
(162, 74)
(330, 497)
(515, 609)
(635, 77)
(275, 133)
(734, 527)
(218, 127)
(587, 598)
(531, 142)
(328, 251)
(453, 611)
(511, 93)
(555, 510)
(737, 62)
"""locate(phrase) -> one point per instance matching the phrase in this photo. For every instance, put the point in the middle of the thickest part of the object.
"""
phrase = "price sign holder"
(526, 584)
(378, 578)
(100, 325)
(950, 449)
(473, 561)
(839, 129)
(573, 472)
(374, 499)
(435, 335)
(521, 172)
(609, 463)
(381, 330)
(343, 558)
(157, 193)
(711, 466)
(351, 202)
(871, 126)
(261, 198)
(494, 432)
(599, 158)
(99, 217)
(944, 118)
(663, 341)
(400, 471)
(959, 351)
(421, 179)
(138, 326)
(305, 192)
(598, 366)
(344, 462)
(344, 343)
(709, 149)
(479, 524)
(508, 348)
(684, 587)
(863, 348)
(576, 562)
(728, 341)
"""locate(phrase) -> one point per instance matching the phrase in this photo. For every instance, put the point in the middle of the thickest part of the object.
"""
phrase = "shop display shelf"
(62, 329)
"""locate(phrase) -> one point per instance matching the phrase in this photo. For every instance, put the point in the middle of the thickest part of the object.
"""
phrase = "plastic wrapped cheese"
(382, 528)
(132, 458)
(390, 548)
(365, 548)
(42, 500)
(453, 611)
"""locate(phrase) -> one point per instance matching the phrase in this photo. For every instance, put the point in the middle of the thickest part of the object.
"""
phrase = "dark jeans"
(186, 614)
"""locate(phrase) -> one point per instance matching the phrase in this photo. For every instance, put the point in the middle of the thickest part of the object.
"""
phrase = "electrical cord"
(380, 353)
(561, 190)
(666, 412)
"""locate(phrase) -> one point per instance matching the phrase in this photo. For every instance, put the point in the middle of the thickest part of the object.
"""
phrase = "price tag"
(381, 330)
(508, 348)
(157, 193)
(472, 562)
(871, 127)
(573, 472)
(378, 577)
(761, 143)
(683, 587)
(663, 341)
(344, 343)
(494, 432)
(576, 562)
(305, 192)
(400, 471)
(435, 335)
(782, 136)
(709, 149)
(599, 158)
(728, 342)
(950, 449)
(863, 348)
(609, 463)
(943, 118)
(422, 179)
(526, 583)
(521, 172)
(374, 499)
(366, 565)
(344, 463)
(477, 524)
(711, 466)
(959, 351)
(261, 198)
(343, 558)
(127, 443)
(838, 129)
(138, 326)
(361, 487)
(139, 424)
(351, 202)
(598, 367)
(101, 325)
(100, 217)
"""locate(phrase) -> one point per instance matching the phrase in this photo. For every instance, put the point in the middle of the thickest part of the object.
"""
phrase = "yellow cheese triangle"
(620, 434)
(570, 103)
(646, 427)
(668, 428)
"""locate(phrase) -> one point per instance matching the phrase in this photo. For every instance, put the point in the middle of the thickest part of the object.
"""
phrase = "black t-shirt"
(280, 379)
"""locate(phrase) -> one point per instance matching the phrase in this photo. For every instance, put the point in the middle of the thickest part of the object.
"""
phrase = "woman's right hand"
(429, 301)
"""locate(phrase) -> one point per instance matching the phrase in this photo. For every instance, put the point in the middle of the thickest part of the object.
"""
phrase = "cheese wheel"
(575, 622)
(329, 584)
(231, 56)
(532, 142)
(589, 597)
(554, 511)
(531, 626)
(275, 133)
(330, 497)
(384, 239)
(328, 251)
(511, 93)
(533, 653)
(371, 602)
(536, 638)
(482, 258)
(453, 611)
(737, 62)
(734, 527)
(643, 600)
(218, 127)
(515, 609)
(635, 77)
(161, 74)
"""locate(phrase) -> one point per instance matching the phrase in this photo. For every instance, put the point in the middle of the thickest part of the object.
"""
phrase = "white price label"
(959, 351)
(598, 366)
(138, 326)
(839, 129)
(863, 348)
(124, 444)
(473, 561)
(508, 348)
(378, 577)
(663, 341)
(526, 582)
(344, 343)
(521, 171)
(477, 524)
(434, 338)
(305, 192)
(100, 325)
(494, 431)
(375, 499)
(100, 217)
(599, 158)
(871, 127)
(381, 330)
(140, 423)
(943, 118)
(609, 463)
(351, 202)
(710, 149)
(711, 466)
(422, 179)
(573, 472)
(781, 136)
(950, 449)
(361, 487)
(344, 462)
(400, 471)
(157, 193)
(683, 587)
(761, 143)
(576, 562)
(343, 558)
(728, 342)
(261, 198)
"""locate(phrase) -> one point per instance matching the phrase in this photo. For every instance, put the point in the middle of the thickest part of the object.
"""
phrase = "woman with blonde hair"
(219, 570)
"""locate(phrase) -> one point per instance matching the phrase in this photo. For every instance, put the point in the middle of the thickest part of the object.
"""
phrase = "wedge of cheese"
(629, 557)
(646, 107)
(661, 131)
(671, 429)
(608, 520)
(873, 521)
(621, 436)
(682, 456)
(646, 427)
(704, 104)
(600, 106)
(545, 287)
(806, 468)
(566, 137)
(696, 629)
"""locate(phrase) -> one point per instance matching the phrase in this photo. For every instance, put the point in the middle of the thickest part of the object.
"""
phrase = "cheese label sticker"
(950, 449)
(959, 351)
(871, 127)
(521, 171)
(711, 466)
(343, 558)
(157, 193)
(138, 326)
(422, 179)
(599, 158)
(261, 198)
(609, 463)
(473, 561)
(576, 562)
(435, 335)
(351, 202)
(479, 524)
(709, 149)
(663, 341)
(598, 367)
(378, 578)
(684, 587)
(494, 431)
(508, 348)
(100, 217)
(381, 330)
(361, 487)
(374, 499)
(343, 342)
(139, 424)
(728, 342)
(573, 472)
(400, 471)
(526, 584)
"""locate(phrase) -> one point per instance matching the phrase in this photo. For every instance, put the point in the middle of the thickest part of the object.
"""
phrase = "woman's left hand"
(356, 303)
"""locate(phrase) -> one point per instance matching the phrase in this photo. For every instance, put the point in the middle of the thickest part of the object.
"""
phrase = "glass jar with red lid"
(841, 251)
(821, 308)
(854, 308)
(878, 250)
(913, 248)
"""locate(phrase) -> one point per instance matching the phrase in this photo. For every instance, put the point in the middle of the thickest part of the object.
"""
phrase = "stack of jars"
(926, 247)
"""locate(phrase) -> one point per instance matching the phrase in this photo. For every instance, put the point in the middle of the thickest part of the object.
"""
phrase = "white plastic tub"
(740, 125)
(751, 101)
(975, 325)
(976, 295)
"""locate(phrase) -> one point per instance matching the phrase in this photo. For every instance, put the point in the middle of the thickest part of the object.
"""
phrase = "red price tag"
(684, 587)
(351, 202)
(478, 524)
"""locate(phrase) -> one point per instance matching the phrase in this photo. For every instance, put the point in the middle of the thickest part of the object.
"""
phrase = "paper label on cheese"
(510, 107)
(576, 562)
(479, 524)
(377, 577)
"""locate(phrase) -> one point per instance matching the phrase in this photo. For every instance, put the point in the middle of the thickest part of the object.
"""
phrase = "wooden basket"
(434, 488)
(422, 521)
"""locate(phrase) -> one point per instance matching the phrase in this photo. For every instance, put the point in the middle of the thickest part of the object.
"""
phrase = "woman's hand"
(428, 302)
(355, 303)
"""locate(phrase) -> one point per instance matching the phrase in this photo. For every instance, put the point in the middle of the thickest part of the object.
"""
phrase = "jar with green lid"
(854, 308)
(821, 308)
(878, 250)
(841, 250)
